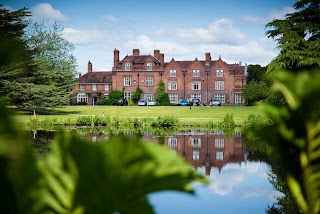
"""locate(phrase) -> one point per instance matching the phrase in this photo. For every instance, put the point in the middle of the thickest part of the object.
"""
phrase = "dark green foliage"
(256, 92)
(114, 95)
(227, 125)
(256, 73)
(164, 122)
(136, 95)
(298, 38)
(80, 177)
(161, 97)
(293, 137)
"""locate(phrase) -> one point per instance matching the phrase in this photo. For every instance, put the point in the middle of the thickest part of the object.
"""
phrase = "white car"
(151, 103)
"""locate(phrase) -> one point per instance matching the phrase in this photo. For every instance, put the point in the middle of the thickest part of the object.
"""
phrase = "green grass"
(196, 115)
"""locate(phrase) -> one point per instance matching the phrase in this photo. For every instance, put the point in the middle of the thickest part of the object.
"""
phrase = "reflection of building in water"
(209, 149)
(200, 148)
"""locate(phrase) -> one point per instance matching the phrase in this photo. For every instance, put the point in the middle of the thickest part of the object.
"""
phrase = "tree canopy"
(298, 38)
(43, 73)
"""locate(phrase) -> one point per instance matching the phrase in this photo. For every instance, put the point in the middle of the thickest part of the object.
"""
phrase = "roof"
(96, 77)
(238, 69)
(138, 59)
(184, 64)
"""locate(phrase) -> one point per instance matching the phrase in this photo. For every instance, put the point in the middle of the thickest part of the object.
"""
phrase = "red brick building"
(201, 79)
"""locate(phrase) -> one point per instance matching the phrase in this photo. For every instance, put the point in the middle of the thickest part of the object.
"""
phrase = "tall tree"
(256, 73)
(53, 70)
(298, 38)
(14, 55)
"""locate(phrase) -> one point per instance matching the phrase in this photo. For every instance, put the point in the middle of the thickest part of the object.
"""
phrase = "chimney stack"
(89, 66)
(208, 57)
(161, 56)
(136, 52)
(157, 54)
(115, 58)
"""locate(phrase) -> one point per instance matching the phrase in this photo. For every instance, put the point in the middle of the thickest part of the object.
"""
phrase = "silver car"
(216, 102)
(151, 103)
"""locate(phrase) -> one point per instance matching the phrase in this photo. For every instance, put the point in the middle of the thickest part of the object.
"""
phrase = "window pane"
(172, 73)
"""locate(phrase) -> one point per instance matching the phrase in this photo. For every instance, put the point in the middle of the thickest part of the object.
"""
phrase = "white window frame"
(81, 87)
(82, 97)
(94, 87)
(173, 73)
(127, 81)
(196, 143)
(219, 142)
(221, 97)
(196, 96)
(127, 66)
(219, 73)
(196, 73)
(219, 85)
(127, 95)
(149, 66)
(173, 98)
(219, 155)
(107, 87)
(148, 97)
(237, 98)
(149, 81)
(172, 142)
(196, 85)
(172, 85)
(195, 155)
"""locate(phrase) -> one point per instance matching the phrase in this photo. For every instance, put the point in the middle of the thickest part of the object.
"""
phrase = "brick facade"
(202, 79)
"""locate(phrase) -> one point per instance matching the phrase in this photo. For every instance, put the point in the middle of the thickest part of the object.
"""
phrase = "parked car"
(122, 102)
(216, 102)
(183, 102)
(142, 103)
(196, 102)
(151, 103)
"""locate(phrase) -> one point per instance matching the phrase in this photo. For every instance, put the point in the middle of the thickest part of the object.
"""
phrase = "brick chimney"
(89, 67)
(136, 52)
(208, 57)
(115, 57)
(157, 54)
(161, 56)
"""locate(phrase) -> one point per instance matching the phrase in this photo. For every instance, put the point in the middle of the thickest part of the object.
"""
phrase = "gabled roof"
(236, 68)
(184, 64)
(211, 63)
(96, 77)
(138, 59)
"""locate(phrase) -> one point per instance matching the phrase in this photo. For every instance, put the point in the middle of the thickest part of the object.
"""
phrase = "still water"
(238, 183)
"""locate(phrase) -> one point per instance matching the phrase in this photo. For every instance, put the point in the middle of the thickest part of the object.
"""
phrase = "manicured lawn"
(182, 113)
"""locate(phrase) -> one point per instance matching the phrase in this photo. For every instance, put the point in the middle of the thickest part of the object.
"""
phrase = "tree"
(255, 92)
(298, 38)
(49, 81)
(14, 55)
(161, 97)
(256, 73)
(136, 95)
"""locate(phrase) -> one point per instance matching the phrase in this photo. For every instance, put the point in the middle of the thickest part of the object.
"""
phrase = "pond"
(239, 179)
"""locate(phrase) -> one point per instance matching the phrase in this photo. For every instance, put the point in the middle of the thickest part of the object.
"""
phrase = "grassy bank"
(194, 116)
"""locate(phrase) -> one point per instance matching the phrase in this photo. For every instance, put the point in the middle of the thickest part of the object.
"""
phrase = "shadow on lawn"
(45, 112)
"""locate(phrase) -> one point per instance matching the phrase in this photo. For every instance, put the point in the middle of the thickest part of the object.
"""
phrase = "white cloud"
(148, 46)
(220, 31)
(45, 12)
(275, 14)
(110, 18)
(82, 37)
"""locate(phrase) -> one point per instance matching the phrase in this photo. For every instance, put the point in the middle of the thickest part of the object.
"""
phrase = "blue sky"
(183, 30)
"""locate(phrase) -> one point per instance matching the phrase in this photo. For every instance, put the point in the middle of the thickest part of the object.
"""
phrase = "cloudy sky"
(183, 30)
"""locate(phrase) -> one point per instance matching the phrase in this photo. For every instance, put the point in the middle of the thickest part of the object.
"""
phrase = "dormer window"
(127, 66)
(149, 66)
(172, 73)
(219, 73)
(196, 73)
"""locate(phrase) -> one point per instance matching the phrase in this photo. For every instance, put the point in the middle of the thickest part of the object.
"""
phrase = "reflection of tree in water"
(40, 139)
(257, 151)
